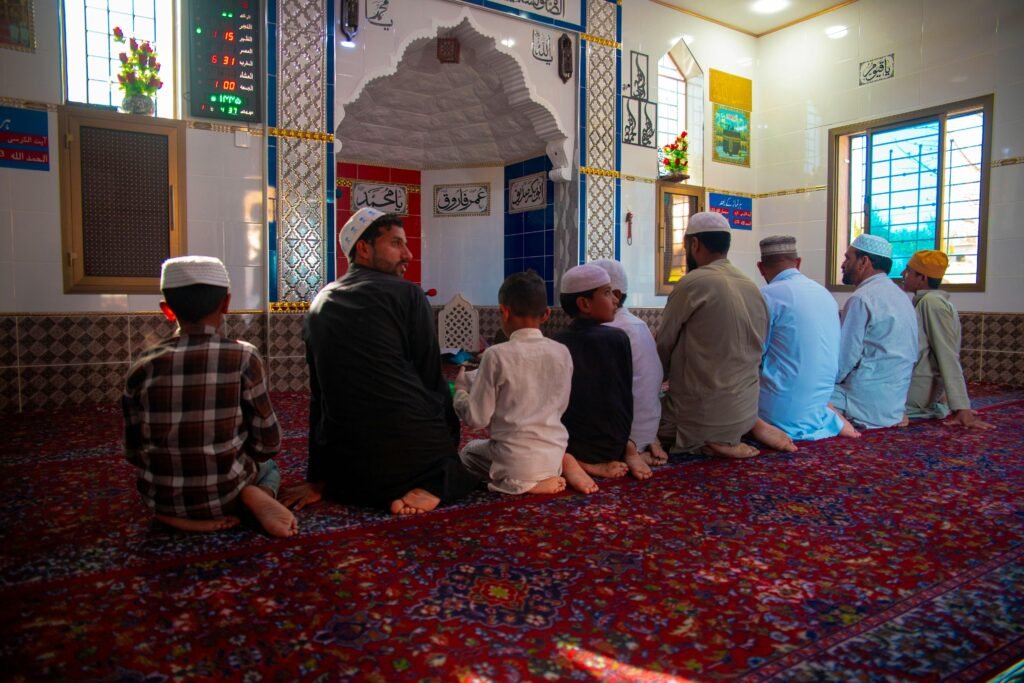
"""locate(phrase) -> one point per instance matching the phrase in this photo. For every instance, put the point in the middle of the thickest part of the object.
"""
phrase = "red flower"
(118, 34)
(131, 77)
(155, 82)
(683, 134)
(145, 48)
(133, 44)
(152, 61)
(123, 57)
(667, 162)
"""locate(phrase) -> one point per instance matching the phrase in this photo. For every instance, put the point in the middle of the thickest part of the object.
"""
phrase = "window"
(671, 104)
(122, 186)
(91, 55)
(918, 180)
(676, 203)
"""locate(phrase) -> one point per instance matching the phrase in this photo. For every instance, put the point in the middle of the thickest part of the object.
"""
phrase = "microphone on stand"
(430, 292)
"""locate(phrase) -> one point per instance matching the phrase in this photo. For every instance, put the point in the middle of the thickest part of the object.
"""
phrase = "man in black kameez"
(382, 428)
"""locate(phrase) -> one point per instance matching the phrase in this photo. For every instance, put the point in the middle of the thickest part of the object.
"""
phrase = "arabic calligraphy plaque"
(878, 69)
(385, 197)
(527, 193)
(464, 199)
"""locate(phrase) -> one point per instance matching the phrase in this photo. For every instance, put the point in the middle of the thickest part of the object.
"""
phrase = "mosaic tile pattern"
(1003, 332)
(600, 217)
(601, 106)
(148, 329)
(490, 323)
(8, 341)
(53, 386)
(285, 338)
(970, 362)
(601, 18)
(557, 322)
(1002, 367)
(10, 392)
(66, 340)
(250, 327)
(970, 330)
(302, 29)
(288, 374)
(651, 316)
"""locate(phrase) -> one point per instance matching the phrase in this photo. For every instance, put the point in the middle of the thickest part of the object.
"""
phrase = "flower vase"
(138, 104)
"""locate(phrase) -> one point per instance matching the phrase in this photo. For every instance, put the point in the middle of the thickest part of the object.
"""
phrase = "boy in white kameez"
(519, 393)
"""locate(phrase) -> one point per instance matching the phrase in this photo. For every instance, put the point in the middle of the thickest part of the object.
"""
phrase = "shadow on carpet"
(898, 556)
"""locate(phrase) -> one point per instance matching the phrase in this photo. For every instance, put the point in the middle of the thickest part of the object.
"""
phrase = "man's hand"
(461, 381)
(298, 497)
(966, 419)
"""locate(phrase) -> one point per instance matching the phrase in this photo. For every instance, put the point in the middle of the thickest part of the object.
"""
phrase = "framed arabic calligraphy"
(224, 60)
(388, 198)
(639, 113)
(528, 193)
(463, 199)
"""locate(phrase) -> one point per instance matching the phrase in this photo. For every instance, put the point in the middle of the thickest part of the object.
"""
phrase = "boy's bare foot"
(576, 477)
(635, 463)
(415, 502)
(276, 519)
(549, 485)
(772, 437)
(848, 431)
(657, 454)
(607, 470)
(739, 451)
(199, 525)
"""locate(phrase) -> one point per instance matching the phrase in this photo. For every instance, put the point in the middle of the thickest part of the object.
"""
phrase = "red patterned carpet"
(896, 557)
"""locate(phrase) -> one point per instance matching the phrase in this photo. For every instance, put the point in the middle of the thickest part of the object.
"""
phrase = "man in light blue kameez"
(801, 350)
(878, 344)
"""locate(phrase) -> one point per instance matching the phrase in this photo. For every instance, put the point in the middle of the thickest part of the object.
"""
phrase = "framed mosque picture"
(463, 199)
(730, 136)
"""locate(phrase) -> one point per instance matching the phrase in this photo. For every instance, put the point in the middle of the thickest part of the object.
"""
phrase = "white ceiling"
(738, 14)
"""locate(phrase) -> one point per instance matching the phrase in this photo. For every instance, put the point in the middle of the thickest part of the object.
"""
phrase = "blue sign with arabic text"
(24, 139)
(739, 211)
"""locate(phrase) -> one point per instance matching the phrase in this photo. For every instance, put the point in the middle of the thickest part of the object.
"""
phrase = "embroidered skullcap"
(873, 244)
(579, 279)
(616, 273)
(930, 263)
(706, 221)
(183, 271)
(778, 245)
(356, 226)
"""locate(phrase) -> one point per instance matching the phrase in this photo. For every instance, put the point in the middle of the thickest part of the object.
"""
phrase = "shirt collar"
(524, 333)
(873, 278)
(787, 274)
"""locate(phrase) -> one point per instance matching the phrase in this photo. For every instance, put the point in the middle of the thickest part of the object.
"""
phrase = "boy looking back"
(600, 413)
(198, 421)
(520, 393)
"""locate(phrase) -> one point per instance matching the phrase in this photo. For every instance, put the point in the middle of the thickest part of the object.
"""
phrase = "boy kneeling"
(198, 421)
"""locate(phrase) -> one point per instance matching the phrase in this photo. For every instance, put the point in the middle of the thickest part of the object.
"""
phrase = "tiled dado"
(53, 360)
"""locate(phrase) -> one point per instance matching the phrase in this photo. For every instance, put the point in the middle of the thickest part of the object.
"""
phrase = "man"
(878, 344)
(382, 428)
(647, 371)
(710, 340)
(801, 352)
(937, 374)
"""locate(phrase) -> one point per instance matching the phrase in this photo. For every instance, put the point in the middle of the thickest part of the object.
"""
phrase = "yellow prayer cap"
(930, 263)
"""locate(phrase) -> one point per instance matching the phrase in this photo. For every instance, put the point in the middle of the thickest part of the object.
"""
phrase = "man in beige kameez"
(710, 342)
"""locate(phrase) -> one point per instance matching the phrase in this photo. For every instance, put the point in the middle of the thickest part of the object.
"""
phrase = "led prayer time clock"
(224, 59)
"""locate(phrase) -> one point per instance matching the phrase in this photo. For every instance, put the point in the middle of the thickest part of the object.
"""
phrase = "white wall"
(945, 51)
(464, 253)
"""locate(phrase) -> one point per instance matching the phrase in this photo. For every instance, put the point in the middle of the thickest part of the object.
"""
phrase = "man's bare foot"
(276, 519)
(772, 437)
(657, 454)
(637, 466)
(904, 422)
(848, 430)
(575, 476)
(549, 485)
(198, 525)
(415, 502)
(739, 451)
(606, 470)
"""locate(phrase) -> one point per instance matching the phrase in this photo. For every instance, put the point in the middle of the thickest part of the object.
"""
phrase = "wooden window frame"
(838, 156)
(70, 120)
(661, 286)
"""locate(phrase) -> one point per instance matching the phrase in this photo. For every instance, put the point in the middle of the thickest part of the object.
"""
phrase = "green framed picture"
(730, 143)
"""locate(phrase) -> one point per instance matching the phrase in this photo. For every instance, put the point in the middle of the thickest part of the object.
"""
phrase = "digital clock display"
(224, 59)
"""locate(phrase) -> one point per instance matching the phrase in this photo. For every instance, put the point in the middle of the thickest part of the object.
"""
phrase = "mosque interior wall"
(57, 348)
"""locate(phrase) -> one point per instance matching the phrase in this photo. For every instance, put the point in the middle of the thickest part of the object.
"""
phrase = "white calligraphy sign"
(878, 69)
(468, 199)
(386, 197)
(527, 193)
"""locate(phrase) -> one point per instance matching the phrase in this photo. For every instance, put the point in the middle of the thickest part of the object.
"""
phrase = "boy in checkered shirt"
(198, 421)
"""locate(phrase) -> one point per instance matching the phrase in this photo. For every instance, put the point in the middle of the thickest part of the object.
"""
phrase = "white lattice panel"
(600, 217)
(601, 18)
(459, 325)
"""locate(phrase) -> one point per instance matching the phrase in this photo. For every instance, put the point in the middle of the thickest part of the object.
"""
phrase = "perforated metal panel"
(459, 325)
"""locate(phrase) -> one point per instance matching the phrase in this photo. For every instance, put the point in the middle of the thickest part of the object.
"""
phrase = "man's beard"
(847, 277)
(691, 263)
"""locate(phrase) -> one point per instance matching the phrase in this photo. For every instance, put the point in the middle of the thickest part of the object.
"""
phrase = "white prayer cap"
(781, 245)
(616, 273)
(706, 221)
(579, 279)
(356, 226)
(183, 271)
(873, 244)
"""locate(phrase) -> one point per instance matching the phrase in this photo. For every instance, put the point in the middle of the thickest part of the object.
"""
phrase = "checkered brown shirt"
(198, 419)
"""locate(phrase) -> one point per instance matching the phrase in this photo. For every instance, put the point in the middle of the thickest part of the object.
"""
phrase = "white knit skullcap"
(583, 278)
(183, 271)
(873, 244)
(783, 245)
(616, 273)
(706, 221)
(356, 226)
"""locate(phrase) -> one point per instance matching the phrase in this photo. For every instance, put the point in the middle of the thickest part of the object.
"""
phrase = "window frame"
(661, 285)
(70, 119)
(838, 143)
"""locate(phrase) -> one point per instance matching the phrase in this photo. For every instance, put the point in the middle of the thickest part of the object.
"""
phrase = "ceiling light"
(836, 32)
(769, 6)
(508, 42)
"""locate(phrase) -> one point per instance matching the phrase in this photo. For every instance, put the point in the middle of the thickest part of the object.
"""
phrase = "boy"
(647, 370)
(198, 421)
(600, 413)
(519, 393)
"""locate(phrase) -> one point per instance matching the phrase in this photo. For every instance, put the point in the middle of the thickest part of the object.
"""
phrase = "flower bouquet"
(674, 163)
(140, 75)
